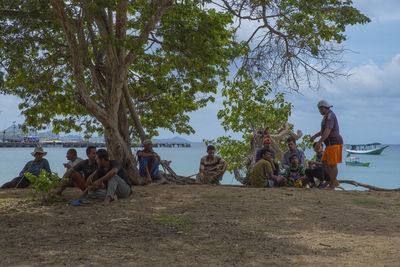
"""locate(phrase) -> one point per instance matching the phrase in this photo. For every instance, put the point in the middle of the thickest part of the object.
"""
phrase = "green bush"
(44, 184)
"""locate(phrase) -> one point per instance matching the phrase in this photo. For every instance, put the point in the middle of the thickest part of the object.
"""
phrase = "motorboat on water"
(367, 149)
(355, 161)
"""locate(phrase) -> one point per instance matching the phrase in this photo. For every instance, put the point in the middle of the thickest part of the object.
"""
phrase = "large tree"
(124, 68)
(88, 64)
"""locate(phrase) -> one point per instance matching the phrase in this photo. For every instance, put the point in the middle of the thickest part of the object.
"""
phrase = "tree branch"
(135, 117)
(151, 23)
(85, 98)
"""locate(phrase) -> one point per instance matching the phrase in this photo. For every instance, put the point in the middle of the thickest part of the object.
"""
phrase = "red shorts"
(333, 154)
(78, 180)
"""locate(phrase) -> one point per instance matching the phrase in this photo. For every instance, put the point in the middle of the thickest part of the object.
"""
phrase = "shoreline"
(204, 225)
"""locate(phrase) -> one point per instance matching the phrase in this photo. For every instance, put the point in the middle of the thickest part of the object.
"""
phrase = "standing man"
(80, 172)
(34, 167)
(110, 181)
(333, 141)
(293, 150)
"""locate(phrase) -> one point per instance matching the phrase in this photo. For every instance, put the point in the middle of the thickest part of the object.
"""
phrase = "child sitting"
(295, 173)
(317, 170)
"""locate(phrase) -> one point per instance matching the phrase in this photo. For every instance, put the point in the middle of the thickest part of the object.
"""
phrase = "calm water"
(383, 170)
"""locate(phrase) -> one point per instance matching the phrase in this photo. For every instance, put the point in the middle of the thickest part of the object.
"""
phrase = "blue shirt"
(35, 167)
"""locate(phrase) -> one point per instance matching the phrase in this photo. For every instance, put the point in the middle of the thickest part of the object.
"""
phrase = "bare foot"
(148, 180)
(115, 198)
(107, 201)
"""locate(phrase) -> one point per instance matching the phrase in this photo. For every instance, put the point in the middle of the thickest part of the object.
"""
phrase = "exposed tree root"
(370, 187)
(170, 177)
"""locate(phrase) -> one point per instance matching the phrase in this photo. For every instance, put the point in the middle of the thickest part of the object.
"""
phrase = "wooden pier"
(85, 144)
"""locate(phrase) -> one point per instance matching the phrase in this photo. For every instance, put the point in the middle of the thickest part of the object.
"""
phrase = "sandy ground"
(171, 225)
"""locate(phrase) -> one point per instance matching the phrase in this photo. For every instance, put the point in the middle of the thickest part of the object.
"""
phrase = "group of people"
(100, 177)
(322, 169)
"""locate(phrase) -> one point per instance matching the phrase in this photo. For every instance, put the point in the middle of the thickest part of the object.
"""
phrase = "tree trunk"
(121, 150)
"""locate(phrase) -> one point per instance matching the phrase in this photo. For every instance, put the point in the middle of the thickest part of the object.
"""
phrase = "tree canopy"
(172, 72)
(127, 68)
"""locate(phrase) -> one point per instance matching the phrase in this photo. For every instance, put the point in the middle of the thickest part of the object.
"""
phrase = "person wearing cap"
(333, 141)
(34, 167)
(149, 162)
(267, 145)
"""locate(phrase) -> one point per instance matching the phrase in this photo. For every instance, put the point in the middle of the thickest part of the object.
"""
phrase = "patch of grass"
(191, 207)
(388, 212)
(366, 202)
(9, 200)
(263, 230)
(215, 196)
(175, 222)
(387, 251)
(379, 252)
(397, 205)
(15, 200)
(354, 193)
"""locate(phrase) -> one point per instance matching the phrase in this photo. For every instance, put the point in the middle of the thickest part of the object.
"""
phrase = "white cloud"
(367, 103)
(9, 111)
(380, 11)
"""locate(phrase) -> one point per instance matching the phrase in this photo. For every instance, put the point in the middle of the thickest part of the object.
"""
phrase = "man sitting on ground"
(72, 158)
(34, 167)
(295, 173)
(149, 162)
(110, 175)
(292, 151)
(212, 168)
(262, 174)
(79, 173)
(267, 145)
(317, 169)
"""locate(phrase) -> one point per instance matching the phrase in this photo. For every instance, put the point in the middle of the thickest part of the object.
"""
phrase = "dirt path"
(172, 225)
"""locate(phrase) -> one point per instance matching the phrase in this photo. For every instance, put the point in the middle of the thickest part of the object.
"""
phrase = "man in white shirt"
(72, 158)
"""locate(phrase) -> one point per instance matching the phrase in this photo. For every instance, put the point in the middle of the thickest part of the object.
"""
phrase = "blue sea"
(384, 170)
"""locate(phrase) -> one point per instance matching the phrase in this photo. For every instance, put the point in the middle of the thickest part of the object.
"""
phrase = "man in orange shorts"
(333, 140)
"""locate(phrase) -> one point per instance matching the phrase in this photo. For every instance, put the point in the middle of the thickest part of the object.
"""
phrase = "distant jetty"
(82, 144)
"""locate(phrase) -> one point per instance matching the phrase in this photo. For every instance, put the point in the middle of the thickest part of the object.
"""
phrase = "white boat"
(370, 149)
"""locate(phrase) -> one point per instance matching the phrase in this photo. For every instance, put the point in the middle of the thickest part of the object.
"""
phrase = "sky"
(367, 103)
